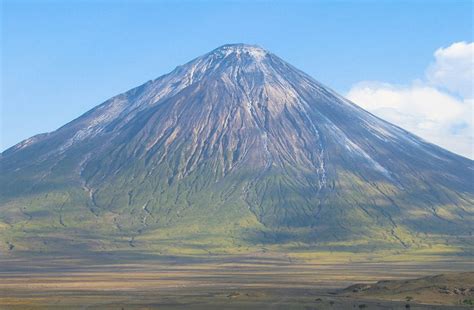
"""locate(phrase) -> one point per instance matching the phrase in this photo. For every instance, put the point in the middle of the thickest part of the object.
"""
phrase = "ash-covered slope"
(236, 149)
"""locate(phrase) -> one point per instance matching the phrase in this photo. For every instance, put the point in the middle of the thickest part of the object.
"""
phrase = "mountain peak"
(236, 146)
(238, 49)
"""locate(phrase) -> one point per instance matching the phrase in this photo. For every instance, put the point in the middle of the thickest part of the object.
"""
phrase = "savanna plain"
(253, 281)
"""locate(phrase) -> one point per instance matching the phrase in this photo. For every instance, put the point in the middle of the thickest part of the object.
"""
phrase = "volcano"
(236, 150)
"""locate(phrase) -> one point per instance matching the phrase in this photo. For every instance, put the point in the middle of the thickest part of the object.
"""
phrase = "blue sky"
(61, 58)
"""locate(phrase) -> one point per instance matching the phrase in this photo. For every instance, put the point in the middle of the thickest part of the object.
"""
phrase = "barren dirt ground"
(211, 283)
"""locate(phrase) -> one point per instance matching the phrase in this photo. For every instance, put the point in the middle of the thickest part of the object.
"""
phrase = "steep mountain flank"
(234, 151)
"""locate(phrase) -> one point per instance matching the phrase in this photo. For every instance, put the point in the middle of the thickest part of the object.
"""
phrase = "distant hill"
(444, 289)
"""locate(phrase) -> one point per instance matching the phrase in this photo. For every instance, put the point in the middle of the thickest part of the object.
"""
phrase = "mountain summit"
(236, 150)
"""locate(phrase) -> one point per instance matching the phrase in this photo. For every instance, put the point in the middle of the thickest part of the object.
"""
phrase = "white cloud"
(428, 108)
(453, 69)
